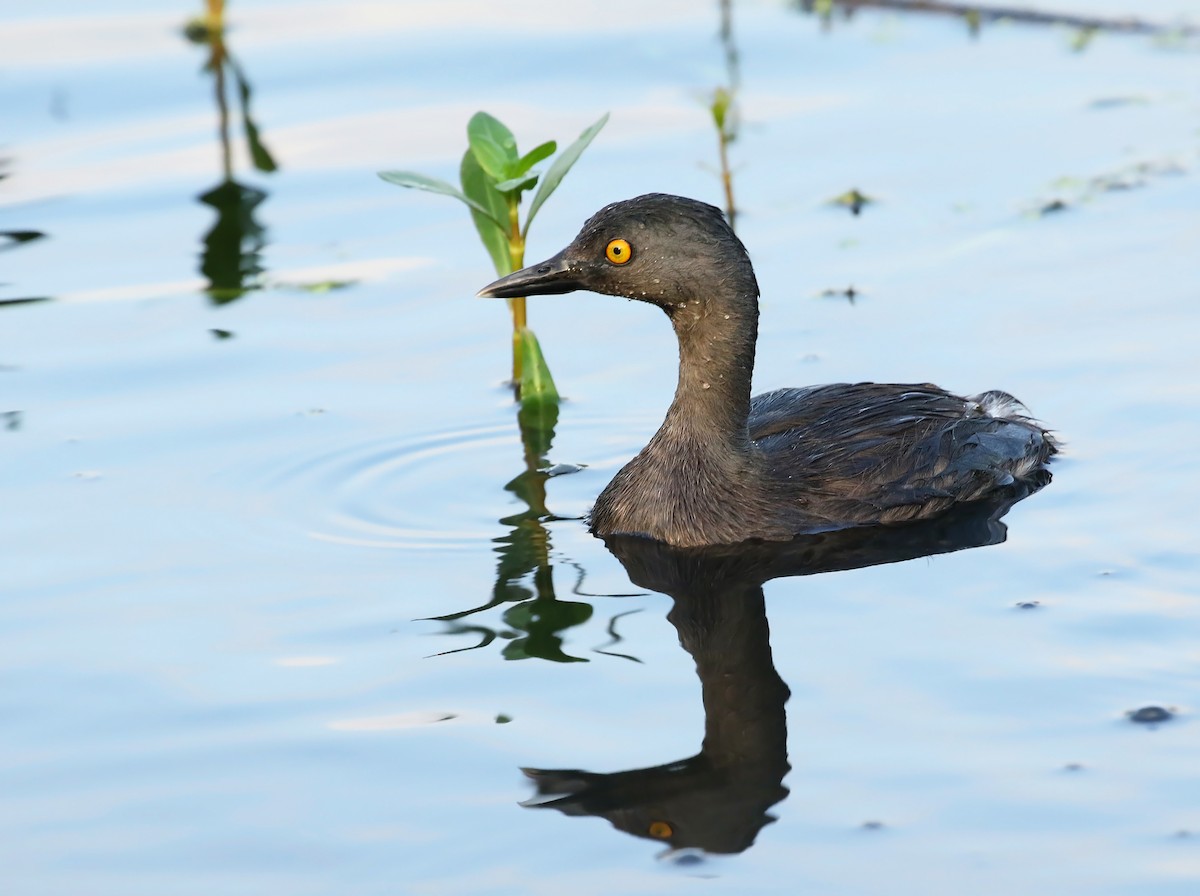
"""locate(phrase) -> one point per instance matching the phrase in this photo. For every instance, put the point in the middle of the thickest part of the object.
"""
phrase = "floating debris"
(854, 200)
(1150, 715)
(849, 294)
(17, 237)
(1073, 191)
(318, 286)
(1054, 205)
(564, 469)
(1083, 37)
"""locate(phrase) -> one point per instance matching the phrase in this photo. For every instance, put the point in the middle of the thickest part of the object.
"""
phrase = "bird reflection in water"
(718, 800)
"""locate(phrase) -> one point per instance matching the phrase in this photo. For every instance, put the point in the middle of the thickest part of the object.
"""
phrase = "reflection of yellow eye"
(618, 252)
(659, 829)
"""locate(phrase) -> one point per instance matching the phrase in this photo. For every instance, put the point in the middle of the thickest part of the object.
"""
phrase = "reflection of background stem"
(216, 62)
(231, 256)
(977, 14)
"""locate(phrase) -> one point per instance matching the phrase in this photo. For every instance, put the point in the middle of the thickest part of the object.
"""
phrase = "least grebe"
(724, 467)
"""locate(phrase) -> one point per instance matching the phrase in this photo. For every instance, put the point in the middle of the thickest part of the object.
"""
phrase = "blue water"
(218, 667)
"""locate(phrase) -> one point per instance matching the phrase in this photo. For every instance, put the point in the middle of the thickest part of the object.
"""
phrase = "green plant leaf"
(537, 385)
(561, 166)
(522, 183)
(494, 146)
(481, 190)
(535, 155)
(433, 185)
(719, 107)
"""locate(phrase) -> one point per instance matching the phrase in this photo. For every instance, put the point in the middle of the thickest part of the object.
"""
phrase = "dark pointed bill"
(551, 277)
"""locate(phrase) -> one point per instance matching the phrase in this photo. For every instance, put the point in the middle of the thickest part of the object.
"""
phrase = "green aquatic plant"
(724, 110)
(494, 177)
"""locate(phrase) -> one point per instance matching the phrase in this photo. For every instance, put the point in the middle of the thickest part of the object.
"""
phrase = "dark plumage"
(724, 467)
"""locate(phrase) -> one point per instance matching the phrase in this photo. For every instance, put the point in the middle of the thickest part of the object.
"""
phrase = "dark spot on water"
(447, 717)
(849, 294)
(872, 825)
(1183, 834)
(1150, 715)
(1028, 604)
(24, 300)
(503, 719)
(17, 237)
(688, 859)
(1054, 205)
(1073, 767)
(222, 334)
(1116, 183)
(11, 420)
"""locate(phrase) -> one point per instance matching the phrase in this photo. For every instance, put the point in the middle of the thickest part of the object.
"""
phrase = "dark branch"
(1127, 25)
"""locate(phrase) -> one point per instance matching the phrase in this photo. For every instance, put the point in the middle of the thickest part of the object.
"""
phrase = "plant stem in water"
(516, 252)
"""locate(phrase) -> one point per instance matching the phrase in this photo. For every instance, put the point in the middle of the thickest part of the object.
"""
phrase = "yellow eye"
(659, 829)
(618, 252)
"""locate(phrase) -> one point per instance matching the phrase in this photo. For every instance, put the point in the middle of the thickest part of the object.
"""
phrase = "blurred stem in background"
(975, 16)
(723, 106)
(231, 260)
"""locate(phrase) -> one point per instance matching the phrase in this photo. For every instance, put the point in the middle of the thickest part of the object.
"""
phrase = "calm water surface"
(290, 597)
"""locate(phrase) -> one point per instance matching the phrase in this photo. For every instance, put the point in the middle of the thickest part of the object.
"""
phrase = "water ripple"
(391, 493)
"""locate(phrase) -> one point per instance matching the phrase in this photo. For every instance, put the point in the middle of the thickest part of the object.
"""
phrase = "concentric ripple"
(441, 491)
(396, 494)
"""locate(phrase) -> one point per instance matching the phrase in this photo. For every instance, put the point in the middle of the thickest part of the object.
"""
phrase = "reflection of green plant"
(535, 619)
(231, 257)
(210, 31)
(494, 176)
